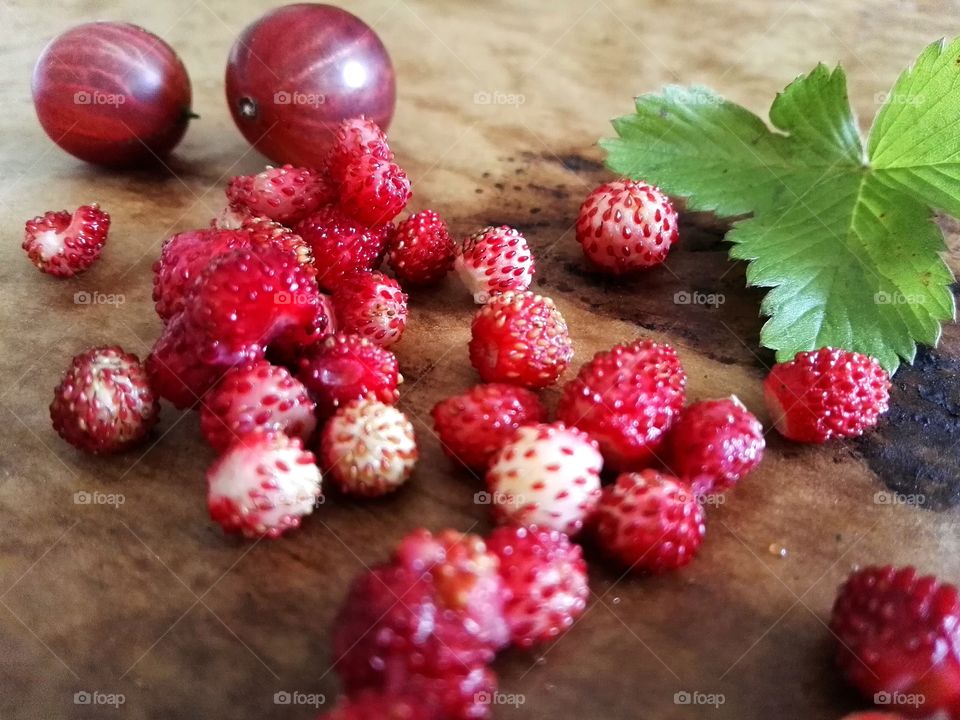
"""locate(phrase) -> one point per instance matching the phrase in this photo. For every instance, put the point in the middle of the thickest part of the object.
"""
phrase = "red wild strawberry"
(899, 634)
(182, 258)
(421, 252)
(545, 578)
(520, 338)
(290, 345)
(714, 443)
(368, 448)
(625, 226)
(265, 232)
(626, 399)
(371, 705)
(473, 426)
(346, 367)
(372, 305)
(285, 194)
(545, 475)
(64, 244)
(340, 245)
(494, 260)
(826, 393)
(104, 403)
(251, 295)
(374, 191)
(262, 485)
(649, 521)
(427, 623)
(356, 137)
(254, 396)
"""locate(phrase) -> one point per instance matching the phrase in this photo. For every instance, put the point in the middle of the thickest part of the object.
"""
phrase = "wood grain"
(148, 599)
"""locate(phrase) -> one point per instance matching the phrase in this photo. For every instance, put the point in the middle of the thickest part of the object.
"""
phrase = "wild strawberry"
(473, 426)
(251, 295)
(232, 217)
(346, 367)
(826, 393)
(626, 399)
(340, 245)
(520, 338)
(625, 226)
(424, 624)
(263, 484)
(64, 244)
(899, 634)
(493, 260)
(182, 258)
(257, 395)
(545, 578)
(374, 191)
(545, 475)
(104, 403)
(368, 448)
(372, 305)
(355, 138)
(291, 344)
(285, 194)
(714, 443)
(268, 233)
(649, 521)
(421, 252)
(372, 705)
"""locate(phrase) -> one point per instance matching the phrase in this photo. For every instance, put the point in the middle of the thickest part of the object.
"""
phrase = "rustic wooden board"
(148, 599)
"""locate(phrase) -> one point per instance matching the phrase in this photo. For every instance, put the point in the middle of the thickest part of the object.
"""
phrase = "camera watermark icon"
(887, 98)
(899, 699)
(288, 298)
(888, 497)
(85, 97)
(314, 700)
(84, 497)
(897, 298)
(85, 697)
(495, 97)
(284, 97)
(685, 297)
(85, 297)
(499, 698)
(497, 498)
(684, 697)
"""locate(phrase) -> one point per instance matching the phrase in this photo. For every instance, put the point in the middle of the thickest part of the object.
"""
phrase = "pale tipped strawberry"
(256, 396)
(626, 226)
(356, 137)
(368, 448)
(64, 244)
(232, 217)
(546, 475)
(265, 232)
(649, 521)
(714, 443)
(473, 426)
(898, 637)
(374, 191)
(251, 295)
(421, 251)
(826, 393)
(520, 338)
(626, 399)
(104, 402)
(341, 245)
(372, 305)
(286, 194)
(545, 579)
(494, 260)
(344, 367)
(263, 485)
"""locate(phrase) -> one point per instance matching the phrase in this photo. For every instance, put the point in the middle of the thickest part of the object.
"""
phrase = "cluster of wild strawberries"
(278, 324)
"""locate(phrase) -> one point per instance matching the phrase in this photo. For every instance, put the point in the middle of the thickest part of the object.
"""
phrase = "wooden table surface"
(147, 599)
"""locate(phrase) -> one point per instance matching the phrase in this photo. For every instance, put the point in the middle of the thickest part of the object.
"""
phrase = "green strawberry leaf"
(845, 239)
